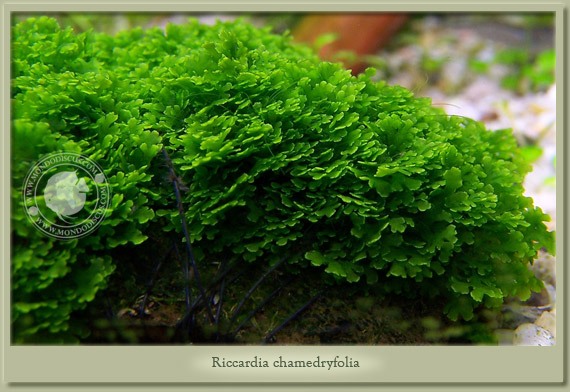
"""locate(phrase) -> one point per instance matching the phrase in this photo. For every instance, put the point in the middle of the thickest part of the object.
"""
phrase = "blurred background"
(495, 68)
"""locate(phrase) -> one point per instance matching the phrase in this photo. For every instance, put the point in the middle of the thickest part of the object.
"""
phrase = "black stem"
(251, 290)
(223, 275)
(198, 300)
(293, 316)
(186, 235)
(220, 294)
(150, 284)
(219, 278)
(260, 306)
(184, 266)
(220, 299)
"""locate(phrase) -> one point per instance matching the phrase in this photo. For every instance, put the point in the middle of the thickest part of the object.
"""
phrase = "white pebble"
(532, 335)
(548, 321)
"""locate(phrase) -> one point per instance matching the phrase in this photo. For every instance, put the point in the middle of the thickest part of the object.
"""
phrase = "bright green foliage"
(64, 102)
(283, 155)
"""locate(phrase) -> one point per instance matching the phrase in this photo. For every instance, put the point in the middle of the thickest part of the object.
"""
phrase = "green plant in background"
(283, 155)
(526, 73)
(551, 181)
(541, 73)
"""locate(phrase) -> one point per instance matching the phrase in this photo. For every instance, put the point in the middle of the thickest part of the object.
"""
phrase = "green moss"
(283, 154)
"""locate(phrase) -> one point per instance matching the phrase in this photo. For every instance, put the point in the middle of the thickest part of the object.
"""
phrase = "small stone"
(532, 335)
(546, 297)
(551, 293)
(544, 267)
(548, 321)
(539, 299)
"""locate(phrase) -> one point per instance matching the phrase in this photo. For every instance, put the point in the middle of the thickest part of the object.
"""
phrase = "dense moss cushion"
(282, 155)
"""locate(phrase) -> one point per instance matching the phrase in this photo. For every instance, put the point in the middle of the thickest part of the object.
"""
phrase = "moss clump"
(282, 154)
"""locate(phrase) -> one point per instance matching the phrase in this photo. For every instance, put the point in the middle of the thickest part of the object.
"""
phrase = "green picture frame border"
(180, 367)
